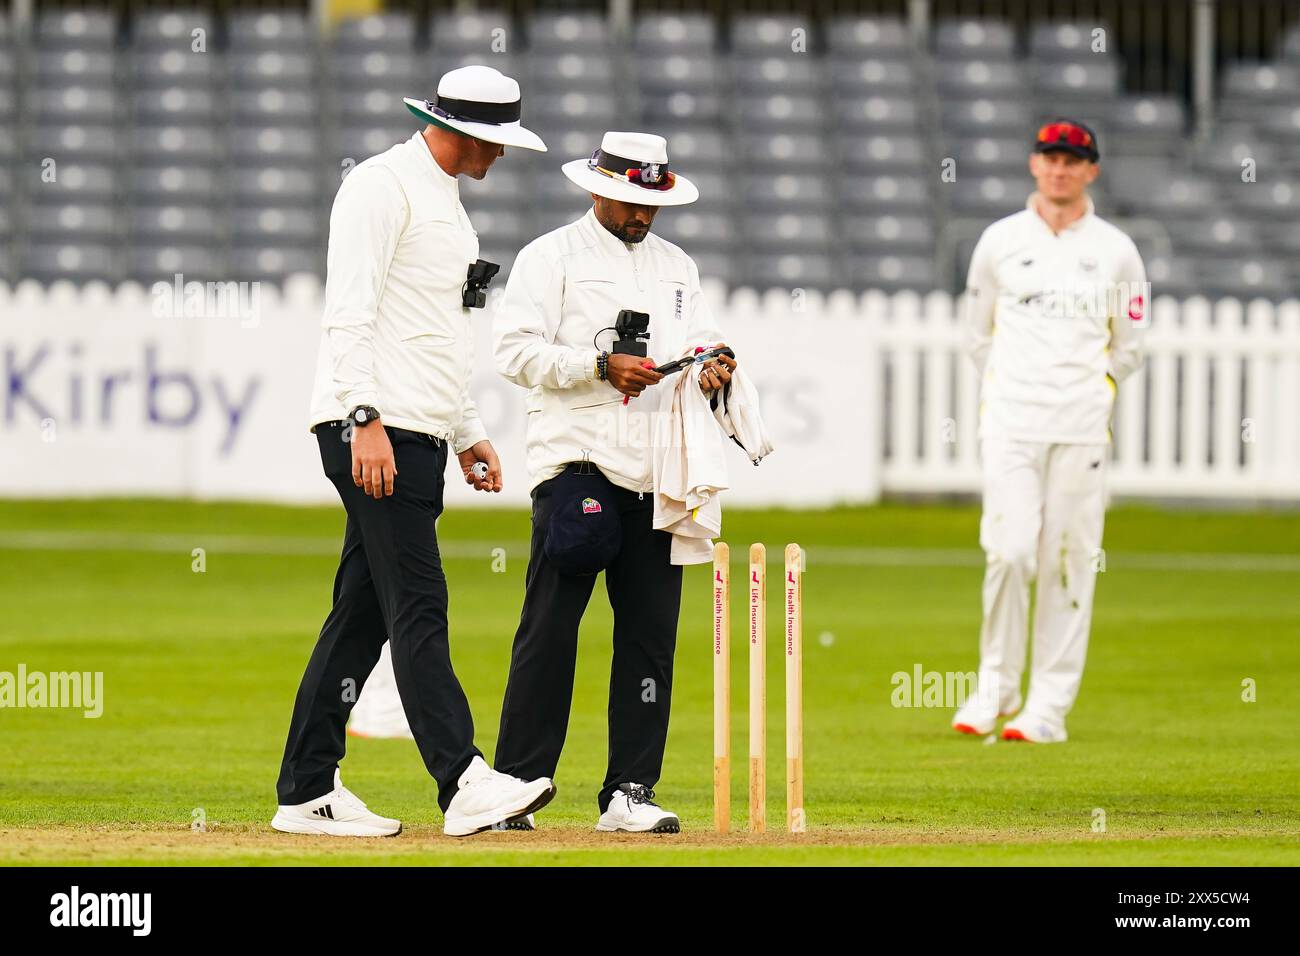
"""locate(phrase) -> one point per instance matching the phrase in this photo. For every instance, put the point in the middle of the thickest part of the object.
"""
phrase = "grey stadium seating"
(818, 144)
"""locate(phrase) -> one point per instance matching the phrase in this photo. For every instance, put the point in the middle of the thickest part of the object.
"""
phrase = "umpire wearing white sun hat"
(590, 459)
(391, 403)
(481, 102)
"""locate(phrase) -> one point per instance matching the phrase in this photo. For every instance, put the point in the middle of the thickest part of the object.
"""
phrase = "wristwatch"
(363, 415)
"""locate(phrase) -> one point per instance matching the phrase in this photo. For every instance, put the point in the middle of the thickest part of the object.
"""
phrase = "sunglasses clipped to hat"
(1067, 136)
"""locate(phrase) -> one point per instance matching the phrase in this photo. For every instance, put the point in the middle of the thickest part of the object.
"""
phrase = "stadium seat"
(658, 73)
(77, 262)
(754, 35)
(777, 74)
(1246, 278)
(990, 155)
(572, 72)
(51, 220)
(786, 191)
(1262, 82)
(279, 69)
(171, 30)
(1069, 40)
(1146, 125)
(674, 109)
(872, 153)
(790, 271)
(803, 113)
(197, 224)
(81, 30)
(270, 30)
(890, 273)
(987, 117)
(385, 31)
(175, 183)
(1090, 81)
(988, 196)
(61, 66)
(272, 225)
(148, 262)
(1218, 236)
(188, 143)
(454, 34)
(973, 39)
(876, 114)
(987, 79)
(778, 152)
(871, 75)
(886, 235)
(162, 104)
(801, 232)
(695, 34)
(696, 232)
(901, 194)
(559, 33)
(857, 38)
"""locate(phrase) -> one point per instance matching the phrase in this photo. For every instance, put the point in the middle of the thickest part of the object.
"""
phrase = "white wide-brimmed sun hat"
(632, 168)
(480, 102)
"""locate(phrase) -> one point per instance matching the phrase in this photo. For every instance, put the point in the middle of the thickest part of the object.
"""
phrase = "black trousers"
(645, 592)
(389, 585)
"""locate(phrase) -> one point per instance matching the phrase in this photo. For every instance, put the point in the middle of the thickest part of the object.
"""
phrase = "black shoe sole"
(533, 807)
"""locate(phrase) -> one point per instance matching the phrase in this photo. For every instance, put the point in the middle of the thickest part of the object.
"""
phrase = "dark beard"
(622, 234)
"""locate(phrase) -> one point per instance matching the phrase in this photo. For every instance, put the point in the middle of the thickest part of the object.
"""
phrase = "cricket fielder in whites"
(1055, 302)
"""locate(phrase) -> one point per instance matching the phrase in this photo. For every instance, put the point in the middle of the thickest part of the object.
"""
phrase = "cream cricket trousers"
(378, 711)
(1044, 507)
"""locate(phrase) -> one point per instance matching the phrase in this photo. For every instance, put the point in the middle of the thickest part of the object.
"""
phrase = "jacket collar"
(425, 161)
(1089, 210)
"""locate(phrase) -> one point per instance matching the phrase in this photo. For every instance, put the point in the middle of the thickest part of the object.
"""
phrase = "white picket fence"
(1214, 413)
(863, 396)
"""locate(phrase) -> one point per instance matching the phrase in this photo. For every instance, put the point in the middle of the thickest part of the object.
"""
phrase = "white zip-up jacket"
(564, 289)
(394, 332)
(1054, 323)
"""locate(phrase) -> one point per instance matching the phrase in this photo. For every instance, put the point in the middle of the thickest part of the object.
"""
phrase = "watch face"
(361, 416)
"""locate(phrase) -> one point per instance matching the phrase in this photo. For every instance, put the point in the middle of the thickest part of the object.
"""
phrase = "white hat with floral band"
(632, 168)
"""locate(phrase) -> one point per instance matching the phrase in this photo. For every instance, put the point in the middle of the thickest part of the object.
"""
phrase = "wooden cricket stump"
(792, 649)
(721, 688)
(757, 688)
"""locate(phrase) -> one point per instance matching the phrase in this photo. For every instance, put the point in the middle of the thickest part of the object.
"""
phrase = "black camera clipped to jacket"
(631, 331)
(473, 294)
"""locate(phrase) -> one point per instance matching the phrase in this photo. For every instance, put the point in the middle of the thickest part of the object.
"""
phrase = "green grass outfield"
(200, 671)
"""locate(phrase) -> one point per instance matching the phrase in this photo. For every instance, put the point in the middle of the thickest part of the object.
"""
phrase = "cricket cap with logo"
(632, 168)
(1063, 135)
(481, 102)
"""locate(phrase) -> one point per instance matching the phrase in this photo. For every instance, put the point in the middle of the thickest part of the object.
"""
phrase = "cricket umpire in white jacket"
(590, 414)
(1056, 301)
(392, 392)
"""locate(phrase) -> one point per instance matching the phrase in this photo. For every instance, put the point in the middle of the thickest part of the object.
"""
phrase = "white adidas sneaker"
(339, 813)
(977, 717)
(486, 797)
(633, 810)
(1035, 729)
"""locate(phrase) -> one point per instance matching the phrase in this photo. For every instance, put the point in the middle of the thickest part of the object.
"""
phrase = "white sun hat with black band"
(481, 102)
(632, 168)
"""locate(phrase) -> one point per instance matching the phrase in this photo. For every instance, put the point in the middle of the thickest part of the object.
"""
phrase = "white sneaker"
(1035, 729)
(633, 810)
(380, 730)
(339, 813)
(975, 717)
(486, 798)
(526, 822)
